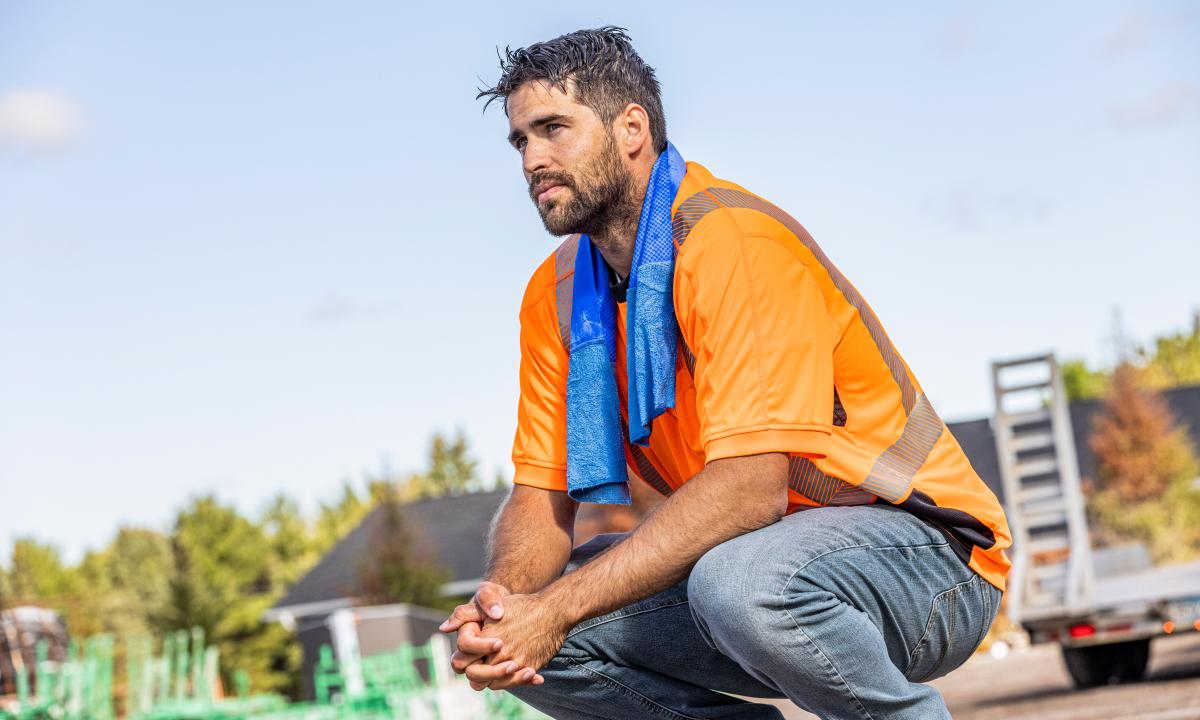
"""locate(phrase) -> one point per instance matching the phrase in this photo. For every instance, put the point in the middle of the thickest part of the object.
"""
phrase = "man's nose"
(536, 157)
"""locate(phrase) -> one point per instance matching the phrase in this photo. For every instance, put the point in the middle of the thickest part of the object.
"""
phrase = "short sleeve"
(754, 317)
(540, 447)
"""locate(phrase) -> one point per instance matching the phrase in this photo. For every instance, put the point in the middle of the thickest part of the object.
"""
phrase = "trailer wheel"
(1101, 664)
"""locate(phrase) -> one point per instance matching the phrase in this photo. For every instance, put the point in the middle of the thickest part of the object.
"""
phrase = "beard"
(595, 201)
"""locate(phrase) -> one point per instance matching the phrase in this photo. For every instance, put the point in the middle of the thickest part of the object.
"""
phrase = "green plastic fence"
(182, 683)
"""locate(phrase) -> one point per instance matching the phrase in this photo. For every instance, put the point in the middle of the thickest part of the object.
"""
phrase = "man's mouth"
(546, 191)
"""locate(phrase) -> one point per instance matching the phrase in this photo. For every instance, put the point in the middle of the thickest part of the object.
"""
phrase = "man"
(823, 538)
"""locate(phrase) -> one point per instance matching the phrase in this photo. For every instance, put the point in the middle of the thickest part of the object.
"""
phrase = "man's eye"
(551, 127)
(520, 144)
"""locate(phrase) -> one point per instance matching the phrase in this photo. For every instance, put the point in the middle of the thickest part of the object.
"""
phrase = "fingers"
(466, 613)
(485, 674)
(470, 642)
(526, 676)
(472, 648)
(460, 661)
(501, 676)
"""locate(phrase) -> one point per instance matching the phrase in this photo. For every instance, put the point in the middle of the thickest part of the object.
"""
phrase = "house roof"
(452, 531)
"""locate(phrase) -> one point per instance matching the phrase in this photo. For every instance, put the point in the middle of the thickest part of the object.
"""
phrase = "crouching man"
(823, 536)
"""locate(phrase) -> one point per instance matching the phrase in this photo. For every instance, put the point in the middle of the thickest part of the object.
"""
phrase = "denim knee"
(726, 597)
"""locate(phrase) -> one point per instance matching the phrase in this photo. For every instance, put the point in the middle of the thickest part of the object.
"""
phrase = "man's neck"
(616, 244)
(616, 239)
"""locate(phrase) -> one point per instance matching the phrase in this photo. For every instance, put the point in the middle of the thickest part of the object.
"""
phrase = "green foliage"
(290, 544)
(452, 470)
(1082, 383)
(36, 571)
(221, 582)
(140, 564)
(1169, 526)
(1176, 359)
(220, 570)
(1147, 470)
(1172, 361)
(336, 519)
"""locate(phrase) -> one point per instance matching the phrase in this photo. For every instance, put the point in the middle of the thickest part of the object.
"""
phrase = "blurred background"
(260, 267)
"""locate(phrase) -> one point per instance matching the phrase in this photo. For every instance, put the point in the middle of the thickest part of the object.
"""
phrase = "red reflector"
(1078, 631)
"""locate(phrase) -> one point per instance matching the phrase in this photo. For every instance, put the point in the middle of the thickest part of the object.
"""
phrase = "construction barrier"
(183, 682)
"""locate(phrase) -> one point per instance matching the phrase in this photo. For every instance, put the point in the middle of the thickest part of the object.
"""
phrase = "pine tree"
(452, 470)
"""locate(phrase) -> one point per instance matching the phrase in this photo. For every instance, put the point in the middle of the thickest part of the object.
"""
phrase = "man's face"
(576, 176)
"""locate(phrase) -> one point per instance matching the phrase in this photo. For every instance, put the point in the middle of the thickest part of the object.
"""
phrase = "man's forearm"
(727, 499)
(530, 540)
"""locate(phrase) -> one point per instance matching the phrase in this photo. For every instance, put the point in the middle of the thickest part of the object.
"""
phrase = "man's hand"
(468, 619)
(531, 632)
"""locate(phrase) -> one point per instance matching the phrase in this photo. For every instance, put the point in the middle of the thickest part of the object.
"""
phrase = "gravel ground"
(1032, 684)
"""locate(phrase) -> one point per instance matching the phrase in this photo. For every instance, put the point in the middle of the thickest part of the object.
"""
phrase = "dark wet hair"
(601, 64)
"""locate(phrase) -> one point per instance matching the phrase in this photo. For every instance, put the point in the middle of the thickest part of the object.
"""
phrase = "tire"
(1095, 665)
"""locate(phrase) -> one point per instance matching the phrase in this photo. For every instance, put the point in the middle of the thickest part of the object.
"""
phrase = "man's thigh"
(656, 635)
(929, 607)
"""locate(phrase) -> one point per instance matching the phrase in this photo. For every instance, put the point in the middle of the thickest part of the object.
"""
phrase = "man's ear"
(632, 130)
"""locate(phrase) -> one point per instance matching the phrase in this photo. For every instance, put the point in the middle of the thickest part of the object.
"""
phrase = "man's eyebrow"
(537, 122)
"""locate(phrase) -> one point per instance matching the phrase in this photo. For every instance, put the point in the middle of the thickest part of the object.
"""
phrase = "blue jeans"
(843, 610)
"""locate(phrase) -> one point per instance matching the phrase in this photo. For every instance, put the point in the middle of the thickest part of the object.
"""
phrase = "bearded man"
(823, 536)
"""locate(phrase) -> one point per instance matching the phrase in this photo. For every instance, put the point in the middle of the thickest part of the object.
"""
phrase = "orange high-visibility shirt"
(778, 353)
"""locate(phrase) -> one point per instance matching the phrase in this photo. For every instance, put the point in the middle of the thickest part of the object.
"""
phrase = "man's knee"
(743, 594)
(713, 585)
(728, 595)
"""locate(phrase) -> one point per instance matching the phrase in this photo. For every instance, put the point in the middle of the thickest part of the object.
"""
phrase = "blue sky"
(251, 247)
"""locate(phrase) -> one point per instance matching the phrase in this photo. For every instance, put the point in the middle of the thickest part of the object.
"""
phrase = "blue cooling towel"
(596, 469)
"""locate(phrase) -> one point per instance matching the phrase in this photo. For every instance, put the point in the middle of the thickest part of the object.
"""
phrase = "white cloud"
(38, 120)
(973, 207)
(335, 309)
(958, 38)
(1166, 106)
(331, 310)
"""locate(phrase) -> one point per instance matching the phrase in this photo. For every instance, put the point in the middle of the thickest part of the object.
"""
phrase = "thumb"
(488, 598)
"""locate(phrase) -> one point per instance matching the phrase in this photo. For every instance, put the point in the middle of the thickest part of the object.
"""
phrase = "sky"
(257, 247)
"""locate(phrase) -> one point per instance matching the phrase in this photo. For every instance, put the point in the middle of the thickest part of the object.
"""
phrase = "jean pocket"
(952, 632)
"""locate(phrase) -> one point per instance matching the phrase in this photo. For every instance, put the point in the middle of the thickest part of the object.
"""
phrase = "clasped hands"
(504, 639)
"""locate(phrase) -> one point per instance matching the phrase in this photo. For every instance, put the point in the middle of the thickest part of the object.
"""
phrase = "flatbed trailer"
(1103, 606)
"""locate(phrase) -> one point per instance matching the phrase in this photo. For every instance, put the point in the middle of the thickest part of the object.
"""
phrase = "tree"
(336, 519)
(290, 546)
(140, 564)
(6, 593)
(397, 569)
(452, 470)
(1176, 358)
(37, 574)
(1081, 382)
(1147, 470)
(1137, 443)
(1172, 361)
(221, 582)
